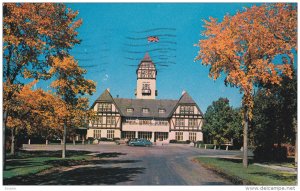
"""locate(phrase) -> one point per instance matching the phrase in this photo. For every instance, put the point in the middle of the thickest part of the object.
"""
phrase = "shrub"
(263, 154)
(103, 139)
(173, 141)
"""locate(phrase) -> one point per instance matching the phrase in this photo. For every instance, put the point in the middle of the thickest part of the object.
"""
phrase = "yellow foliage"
(244, 46)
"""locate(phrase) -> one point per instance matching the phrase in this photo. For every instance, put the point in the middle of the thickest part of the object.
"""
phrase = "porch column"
(152, 138)
(136, 134)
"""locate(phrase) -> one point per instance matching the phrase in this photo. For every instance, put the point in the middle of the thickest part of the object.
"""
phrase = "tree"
(37, 111)
(32, 33)
(245, 47)
(222, 123)
(274, 119)
(70, 84)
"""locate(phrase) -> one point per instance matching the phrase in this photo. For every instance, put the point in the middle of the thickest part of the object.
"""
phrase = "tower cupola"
(146, 79)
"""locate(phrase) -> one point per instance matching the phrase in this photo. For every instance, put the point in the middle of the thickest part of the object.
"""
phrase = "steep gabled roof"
(186, 98)
(105, 96)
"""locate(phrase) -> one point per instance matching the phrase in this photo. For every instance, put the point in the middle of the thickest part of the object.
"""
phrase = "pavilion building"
(145, 116)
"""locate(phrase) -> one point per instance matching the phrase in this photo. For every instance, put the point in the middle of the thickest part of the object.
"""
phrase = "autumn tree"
(70, 84)
(37, 111)
(251, 47)
(32, 33)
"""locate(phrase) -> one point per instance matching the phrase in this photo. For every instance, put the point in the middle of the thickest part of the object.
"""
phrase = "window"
(192, 122)
(129, 110)
(161, 111)
(146, 87)
(192, 136)
(145, 110)
(97, 121)
(145, 135)
(161, 136)
(97, 133)
(111, 120)
(128, 134)
(179, 136)
(187, 109)
(110, 134)
(104, 107)
(179, 122)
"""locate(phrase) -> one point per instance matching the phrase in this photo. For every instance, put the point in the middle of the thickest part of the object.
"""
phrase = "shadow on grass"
(70, 162)
(15, 164)
(80, 176)
(29, 154)
(288, 178)
(85, 172)
(109, 155)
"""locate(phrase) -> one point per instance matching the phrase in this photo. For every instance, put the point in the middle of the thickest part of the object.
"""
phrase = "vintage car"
(140, 142)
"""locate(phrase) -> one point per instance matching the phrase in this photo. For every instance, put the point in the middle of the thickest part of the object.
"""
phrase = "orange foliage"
(32, 32)
(36, 110)
(244, 46)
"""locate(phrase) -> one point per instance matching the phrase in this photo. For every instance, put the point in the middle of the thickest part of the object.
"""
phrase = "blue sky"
(114, 40)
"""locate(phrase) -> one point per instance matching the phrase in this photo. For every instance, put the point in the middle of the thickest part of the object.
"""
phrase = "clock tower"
(146, 79)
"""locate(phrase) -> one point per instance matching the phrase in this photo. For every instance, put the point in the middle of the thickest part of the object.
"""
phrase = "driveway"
(157, 165)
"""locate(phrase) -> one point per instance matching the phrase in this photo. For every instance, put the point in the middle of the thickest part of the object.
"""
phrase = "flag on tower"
(153, 39)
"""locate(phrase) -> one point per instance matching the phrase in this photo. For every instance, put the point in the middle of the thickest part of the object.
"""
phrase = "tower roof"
(147, 58)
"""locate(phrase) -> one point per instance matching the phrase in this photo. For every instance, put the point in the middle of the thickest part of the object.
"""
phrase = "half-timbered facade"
(145, 116)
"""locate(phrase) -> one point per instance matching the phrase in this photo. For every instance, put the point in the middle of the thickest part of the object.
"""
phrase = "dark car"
(140, 142)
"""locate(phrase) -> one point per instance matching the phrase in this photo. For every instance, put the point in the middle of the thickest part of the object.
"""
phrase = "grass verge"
(233, 170)
(26, 163)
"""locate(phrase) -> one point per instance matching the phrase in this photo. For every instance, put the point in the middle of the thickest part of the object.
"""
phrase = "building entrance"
(128, 134)
(145, 135)
(160, 136)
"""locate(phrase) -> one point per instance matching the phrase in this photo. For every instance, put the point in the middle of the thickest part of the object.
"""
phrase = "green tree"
(222, 123)
(274, 119)
(244, 46)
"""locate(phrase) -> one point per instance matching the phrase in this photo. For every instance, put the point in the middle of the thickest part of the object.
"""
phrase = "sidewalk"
(276, 167)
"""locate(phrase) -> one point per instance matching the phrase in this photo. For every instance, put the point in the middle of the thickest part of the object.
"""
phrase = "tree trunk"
(12, 147)
(245, 134)
(296, 142)
(28, 141)
(46, 141)
(73, 140)
(4, 139)
(83, 139)
(64, 141)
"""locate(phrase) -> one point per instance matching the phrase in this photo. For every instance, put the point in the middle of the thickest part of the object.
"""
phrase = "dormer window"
(161, 111)
(129, 110)
(145, 110)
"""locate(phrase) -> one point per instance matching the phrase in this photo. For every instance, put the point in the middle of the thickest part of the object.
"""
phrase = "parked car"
(139, 142)
(122, 141)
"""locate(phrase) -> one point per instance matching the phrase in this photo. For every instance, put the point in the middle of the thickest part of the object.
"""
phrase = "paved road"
(157, 165)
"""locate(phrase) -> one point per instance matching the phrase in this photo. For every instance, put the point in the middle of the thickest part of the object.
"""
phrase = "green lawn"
(25, 162)
(256, 175)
